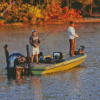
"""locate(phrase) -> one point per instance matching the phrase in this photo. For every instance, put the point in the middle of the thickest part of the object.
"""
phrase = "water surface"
(79, 83)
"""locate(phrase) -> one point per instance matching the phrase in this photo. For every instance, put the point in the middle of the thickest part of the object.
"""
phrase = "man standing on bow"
(34, 41)
(72, 35)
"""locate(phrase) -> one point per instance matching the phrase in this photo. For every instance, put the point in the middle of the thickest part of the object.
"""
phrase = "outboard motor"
(17, 59)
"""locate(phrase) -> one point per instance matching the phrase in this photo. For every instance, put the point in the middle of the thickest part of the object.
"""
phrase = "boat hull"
(63, 66)
(41, 69)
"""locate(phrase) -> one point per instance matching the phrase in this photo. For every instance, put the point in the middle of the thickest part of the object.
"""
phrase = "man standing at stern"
(72, 35)
(34, 41)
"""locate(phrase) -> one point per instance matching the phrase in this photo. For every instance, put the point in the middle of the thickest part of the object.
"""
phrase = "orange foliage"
(54, 12)
(1, 23)
(51, 13)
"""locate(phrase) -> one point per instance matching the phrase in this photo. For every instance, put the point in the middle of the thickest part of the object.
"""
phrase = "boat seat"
(48, 60)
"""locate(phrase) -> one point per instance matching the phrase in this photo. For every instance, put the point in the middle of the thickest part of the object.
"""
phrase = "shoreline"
(87, 20)
(82, 20)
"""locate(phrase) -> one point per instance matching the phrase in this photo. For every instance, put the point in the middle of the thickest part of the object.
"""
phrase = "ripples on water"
(80, 83)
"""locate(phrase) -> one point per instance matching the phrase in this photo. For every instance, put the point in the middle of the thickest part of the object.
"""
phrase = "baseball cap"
(33, 30)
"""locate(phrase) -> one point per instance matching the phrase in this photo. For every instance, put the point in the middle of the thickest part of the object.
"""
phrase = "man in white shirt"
(72, 35)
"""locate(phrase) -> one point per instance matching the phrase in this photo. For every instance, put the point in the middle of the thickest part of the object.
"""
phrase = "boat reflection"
(34, 82)
(14, 73)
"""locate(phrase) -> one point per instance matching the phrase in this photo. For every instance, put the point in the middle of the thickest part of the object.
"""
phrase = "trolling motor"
(80, 50)
(17, 59)
(82, 47)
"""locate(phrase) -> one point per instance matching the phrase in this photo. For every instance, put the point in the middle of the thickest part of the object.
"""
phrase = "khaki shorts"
(34, 50)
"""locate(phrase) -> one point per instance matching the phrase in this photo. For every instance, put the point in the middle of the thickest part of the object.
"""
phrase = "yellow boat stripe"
(65, 62)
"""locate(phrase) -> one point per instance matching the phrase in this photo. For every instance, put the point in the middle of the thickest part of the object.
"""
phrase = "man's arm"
(73, 33)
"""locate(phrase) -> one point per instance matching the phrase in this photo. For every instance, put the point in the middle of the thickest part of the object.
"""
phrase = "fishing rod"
(7, 9)
(47, 35)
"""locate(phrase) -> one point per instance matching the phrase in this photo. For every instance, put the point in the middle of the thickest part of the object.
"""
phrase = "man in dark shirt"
(34, 41)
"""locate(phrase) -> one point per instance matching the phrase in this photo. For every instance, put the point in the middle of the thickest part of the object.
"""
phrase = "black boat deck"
(66, 57)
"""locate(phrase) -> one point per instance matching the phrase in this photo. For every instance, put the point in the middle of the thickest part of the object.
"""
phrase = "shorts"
(34, 50)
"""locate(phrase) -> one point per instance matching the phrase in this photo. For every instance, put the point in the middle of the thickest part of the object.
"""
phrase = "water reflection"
(36, 83)
(33, 82)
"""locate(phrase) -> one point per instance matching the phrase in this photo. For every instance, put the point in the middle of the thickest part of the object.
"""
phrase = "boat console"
(57, 58)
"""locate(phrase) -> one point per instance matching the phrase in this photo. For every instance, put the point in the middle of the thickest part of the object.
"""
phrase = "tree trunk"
(67, 3)
(70, 4)
(39, 2)
(62, 3)
(31, 1)
(83, 9)
(91, 9)
(19, 2)
(45, 1)
(3, 1)
(10, 1)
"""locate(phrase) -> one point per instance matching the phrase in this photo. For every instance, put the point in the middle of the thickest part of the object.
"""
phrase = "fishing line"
(47, 35)
(45, 38)
(7, 8)
(85, 40)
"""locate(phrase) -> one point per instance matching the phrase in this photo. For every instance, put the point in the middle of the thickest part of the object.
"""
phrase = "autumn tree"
(97, 2)
(3, 1)
(85, 3)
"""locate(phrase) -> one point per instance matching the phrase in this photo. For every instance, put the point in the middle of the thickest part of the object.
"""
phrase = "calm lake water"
(79, 83)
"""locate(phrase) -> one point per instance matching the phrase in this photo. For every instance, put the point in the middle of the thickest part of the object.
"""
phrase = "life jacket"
(34, 40)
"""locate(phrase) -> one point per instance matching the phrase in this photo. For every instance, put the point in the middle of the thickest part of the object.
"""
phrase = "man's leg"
(71, 47)
(37, 52)
(74, 45)
(70, 41)
(36, 58)
(32, 57)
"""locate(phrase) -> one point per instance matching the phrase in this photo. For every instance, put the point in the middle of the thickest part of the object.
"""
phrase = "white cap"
(33, 30)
